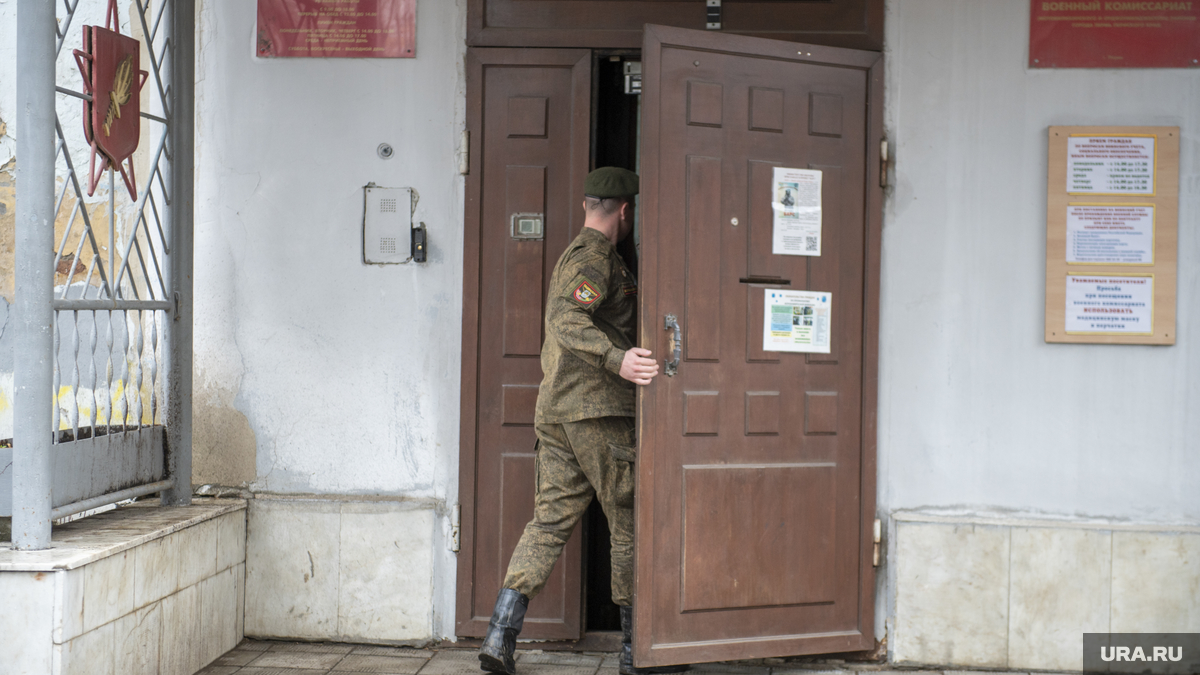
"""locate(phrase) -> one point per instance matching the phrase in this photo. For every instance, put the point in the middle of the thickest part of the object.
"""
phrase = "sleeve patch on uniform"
(631, 289)
(585, 294)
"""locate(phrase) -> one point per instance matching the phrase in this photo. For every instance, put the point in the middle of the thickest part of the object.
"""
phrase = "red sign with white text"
(337, 28)
(1114, 34)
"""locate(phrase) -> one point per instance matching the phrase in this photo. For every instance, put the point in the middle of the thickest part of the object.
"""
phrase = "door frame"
(466, 624)
(504, 23)
(653, 337)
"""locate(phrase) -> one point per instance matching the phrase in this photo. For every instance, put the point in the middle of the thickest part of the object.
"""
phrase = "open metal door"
(756, 476)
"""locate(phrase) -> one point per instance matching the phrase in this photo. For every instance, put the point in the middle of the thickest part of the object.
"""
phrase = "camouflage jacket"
(591, 317)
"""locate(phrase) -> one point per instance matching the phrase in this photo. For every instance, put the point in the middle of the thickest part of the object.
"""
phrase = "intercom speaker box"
(389, 234)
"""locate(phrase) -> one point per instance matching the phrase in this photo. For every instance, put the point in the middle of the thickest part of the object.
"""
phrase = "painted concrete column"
(34, 344)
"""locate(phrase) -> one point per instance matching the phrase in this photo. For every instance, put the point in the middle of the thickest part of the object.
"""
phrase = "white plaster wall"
(977, 412)
(344, 376)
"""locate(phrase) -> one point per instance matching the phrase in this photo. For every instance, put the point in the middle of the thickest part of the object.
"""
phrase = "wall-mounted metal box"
(387, 225)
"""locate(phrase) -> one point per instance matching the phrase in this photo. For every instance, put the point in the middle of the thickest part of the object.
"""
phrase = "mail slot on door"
(527, 226)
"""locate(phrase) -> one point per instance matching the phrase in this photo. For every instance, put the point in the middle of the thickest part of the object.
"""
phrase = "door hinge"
(456, 528)
(877, 539)
(464, 153)
(883, 163)
(714, 15)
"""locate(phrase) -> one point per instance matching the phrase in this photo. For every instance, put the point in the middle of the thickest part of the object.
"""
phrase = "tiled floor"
(253, 657)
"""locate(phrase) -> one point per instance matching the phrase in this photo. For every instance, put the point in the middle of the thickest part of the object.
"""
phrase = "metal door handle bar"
(674, 344)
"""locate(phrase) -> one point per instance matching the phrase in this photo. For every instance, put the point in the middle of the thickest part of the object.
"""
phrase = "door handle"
(674, 344)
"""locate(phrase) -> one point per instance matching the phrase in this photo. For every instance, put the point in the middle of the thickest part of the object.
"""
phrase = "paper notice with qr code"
(796, 202)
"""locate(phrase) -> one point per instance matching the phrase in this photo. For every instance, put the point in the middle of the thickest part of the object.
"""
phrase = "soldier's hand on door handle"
(638, 367)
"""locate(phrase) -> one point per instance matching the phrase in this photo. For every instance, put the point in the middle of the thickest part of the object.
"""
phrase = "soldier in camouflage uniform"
(585, 415)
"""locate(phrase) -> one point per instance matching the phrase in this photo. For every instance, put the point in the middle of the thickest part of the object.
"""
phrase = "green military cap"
(611, 181)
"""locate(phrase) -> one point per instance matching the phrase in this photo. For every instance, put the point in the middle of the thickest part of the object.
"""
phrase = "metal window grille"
(117, 291)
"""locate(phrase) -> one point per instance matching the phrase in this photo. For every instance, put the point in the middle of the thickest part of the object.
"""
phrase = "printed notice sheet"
(1110, 165)
(1103, 303)
(796, 202)
(797, 321)
(1110, 234)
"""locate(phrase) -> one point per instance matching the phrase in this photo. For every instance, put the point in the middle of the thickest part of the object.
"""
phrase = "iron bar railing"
(129, 379)
(111, 498)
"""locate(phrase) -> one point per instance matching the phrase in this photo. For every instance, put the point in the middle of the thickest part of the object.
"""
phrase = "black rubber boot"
(496, 654)
(626, 664)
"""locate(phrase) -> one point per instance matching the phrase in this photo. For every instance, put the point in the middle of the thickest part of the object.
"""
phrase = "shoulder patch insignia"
(631, 289)
(584, 293)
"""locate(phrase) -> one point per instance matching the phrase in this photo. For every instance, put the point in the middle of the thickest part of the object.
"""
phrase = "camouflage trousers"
(576, 461)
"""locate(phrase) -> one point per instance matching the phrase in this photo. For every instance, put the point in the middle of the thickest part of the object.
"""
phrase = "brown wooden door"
(528, 111)
(756, 471)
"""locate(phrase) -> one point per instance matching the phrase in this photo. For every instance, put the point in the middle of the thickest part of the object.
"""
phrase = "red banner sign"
(337, 28)
(1114, 34)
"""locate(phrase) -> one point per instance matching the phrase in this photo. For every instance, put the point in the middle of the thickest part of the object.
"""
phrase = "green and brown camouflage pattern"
(591, 317)
(576, 461)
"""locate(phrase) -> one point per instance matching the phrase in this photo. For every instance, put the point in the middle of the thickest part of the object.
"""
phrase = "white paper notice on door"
(796, 203)
(797, 321)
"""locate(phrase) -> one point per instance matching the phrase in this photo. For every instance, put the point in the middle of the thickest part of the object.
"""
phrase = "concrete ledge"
(90, 539)
(140, 590)
(1005, 519)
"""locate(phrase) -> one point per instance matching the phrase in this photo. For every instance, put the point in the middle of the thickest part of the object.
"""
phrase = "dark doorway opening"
(614, 143)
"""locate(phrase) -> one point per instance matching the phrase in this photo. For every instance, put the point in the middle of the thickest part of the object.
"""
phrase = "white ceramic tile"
(951, 605)
(292, 568)
(90, 653)
(90, 539)
(197, 552)
(1156, 582)
(385, 546)
(231, 540)
(68, 605)
(218, 615)
(136, 641)
(26, 622)
(107, 589)
(239, 577)
(179, 647)
(1059, 590)
(155, 571)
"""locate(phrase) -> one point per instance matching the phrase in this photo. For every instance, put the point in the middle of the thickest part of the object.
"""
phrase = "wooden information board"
(1112, 212)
